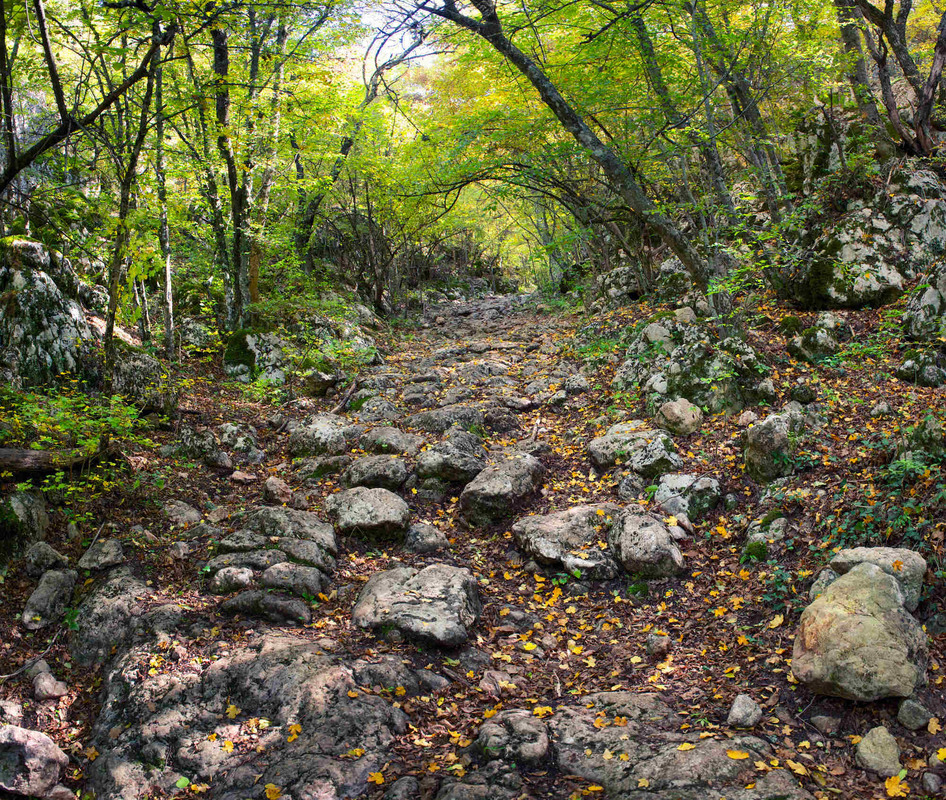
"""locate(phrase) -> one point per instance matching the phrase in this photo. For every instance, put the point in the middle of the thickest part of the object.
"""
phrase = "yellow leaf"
(400, 691)
(777, 620)
(232, 711)
(529, 646)
(489, 713)
(738, 755)
(227, 746)
(542, 711)
(895, 787)
(352, 693)
(273, 792)
(686, 746)
(375, 777)
(642, 783)
(934, 727)
(607, 755)
(941, 754)
(671, 521)
(795, 767)
(212, 737)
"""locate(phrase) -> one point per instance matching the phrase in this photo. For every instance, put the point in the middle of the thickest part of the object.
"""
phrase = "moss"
(237, 350)
(790, 325)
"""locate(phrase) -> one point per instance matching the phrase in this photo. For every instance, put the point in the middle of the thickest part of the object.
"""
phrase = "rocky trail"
(495, 573)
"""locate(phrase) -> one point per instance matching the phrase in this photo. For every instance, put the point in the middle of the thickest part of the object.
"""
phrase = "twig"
(28, 664)
(96, 537)
(346, 397)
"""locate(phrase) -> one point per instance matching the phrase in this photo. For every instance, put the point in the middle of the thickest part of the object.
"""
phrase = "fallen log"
(23, 461)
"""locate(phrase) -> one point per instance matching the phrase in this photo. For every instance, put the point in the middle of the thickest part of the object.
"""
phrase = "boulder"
(440, 420)
(390, 441)
(438, 604)
(41, 557)
(571, 540)
(858, 641)
(30, 762)
(23, 521)
(924, 318)
(256, 356)
(298, 579)
(690, 496)
(422, 538)
(494, 492)
(459, 458)
(907, 567)
(276, 491)
(912, 715)
(46, 687)
(644, 545)
(376, 472)
(515, 735)
(320, 434)
(768, 450)
(49, 599)
(648, 452)
(103, 554)
(43, 332)
(144, 381)
(368, 512)
(150, 732)
(680, 417)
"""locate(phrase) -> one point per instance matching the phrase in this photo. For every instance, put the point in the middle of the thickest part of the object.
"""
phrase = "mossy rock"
(790, 325)
(237, 350)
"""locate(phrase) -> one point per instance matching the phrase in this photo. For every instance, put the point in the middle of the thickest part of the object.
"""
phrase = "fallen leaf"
(738, 755)
(933, 726)
(232, 711)
(686, 746)
(273, 792)
(896, 787)
(375, 777)
(777, 620)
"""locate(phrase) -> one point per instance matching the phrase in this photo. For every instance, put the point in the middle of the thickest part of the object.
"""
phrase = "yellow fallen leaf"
(795, 767)
(642, 783)
(375, 777)
(896, 787)
(227, 746)
(941, 754)
(671, 520)
(294, 730)
(933, 726)
(738, 755)
(232, 711)
(542, 711)
(273, 792)
(529, 646)
(607, 755)
(777, 620)
(352, 693)
(686, 746)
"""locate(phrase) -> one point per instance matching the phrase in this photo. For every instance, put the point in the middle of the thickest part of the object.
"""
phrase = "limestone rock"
(768, 450)
(649, 453)
(180, 513)
(103, 554)
(298, 579)
(438, 604)
(857, 640)
(41, 557)
(680, 417)
(376, 472)
(46, 687)
(744, 713)
(516, 735)
(879, 752)
(690, 496)
(459, 458)
(494, 492)
(423, 538)
(913, 715)
(368, 512)
(571, 539)
(269, 606)
(231, 579)
(320, 434)
(391, 441)
(30, 762)
(23, 520)
(276, 491)
(906, 566)
(49, 599)
(643, 544)
(440, 420)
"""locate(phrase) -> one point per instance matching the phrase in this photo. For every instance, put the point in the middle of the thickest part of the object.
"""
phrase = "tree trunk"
(490, 29)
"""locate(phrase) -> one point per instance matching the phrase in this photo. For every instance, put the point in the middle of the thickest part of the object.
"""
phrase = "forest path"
(461, 586)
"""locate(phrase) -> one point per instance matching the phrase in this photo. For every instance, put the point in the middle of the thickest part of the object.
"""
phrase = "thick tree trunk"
(857, 74)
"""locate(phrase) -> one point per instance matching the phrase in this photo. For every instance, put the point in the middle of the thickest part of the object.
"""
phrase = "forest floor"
(731, 621)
